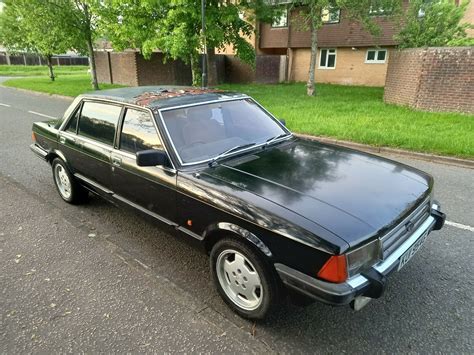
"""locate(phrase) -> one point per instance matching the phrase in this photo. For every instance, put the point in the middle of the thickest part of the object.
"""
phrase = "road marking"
(460, 226)
(4, 105)
(42, 114)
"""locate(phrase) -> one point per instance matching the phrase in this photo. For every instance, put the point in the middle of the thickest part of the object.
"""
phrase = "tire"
(68, 188)
(245, 280)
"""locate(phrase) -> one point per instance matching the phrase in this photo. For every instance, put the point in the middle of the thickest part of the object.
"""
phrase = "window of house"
(98, 121)
(138, 132)
(423, 6)
(282, 20)
(376, 56)
(327, 58)
(331, 15)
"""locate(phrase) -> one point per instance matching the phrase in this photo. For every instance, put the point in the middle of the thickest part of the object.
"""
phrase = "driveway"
(96, 278)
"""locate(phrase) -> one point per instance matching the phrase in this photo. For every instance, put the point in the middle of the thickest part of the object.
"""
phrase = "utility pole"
(204, 55)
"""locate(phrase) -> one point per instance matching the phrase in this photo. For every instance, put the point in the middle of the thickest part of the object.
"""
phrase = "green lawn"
(39, 70)
(345, 112)
(359, 114)
(68, 85)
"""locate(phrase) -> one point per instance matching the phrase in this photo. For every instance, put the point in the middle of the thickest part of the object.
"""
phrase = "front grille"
(393, 239)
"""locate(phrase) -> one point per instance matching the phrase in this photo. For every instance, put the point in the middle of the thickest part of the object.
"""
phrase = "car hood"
(350, 193)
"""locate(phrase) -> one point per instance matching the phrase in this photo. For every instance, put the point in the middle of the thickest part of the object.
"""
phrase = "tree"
(363, 11)
(174, 27)
(31, 25)
(50, 26)
(82, 23)
(434, 24)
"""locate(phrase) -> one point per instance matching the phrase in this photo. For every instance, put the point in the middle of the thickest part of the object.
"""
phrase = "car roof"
(158, 97)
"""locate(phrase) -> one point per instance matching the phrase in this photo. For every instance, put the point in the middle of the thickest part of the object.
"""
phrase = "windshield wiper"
(233, 149)
(272, 139)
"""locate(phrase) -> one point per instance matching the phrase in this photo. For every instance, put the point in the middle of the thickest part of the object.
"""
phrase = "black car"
(271, 209)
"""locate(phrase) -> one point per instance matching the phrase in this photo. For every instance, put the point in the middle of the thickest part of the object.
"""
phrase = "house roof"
(158, 97)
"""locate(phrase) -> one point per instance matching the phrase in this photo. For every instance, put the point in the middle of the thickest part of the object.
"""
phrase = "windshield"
(200, 133)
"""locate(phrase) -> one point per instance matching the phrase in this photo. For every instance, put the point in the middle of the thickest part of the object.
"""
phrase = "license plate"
(412, 251)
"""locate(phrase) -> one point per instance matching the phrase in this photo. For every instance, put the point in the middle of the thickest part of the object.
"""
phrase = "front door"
(151, 188)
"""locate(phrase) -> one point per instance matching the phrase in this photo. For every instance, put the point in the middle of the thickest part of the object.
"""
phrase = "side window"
(98, 121)
(138, 132)
(72, 124)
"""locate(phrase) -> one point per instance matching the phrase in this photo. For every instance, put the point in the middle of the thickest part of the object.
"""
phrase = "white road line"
(42, 114)
(460, 226)
(4, 105)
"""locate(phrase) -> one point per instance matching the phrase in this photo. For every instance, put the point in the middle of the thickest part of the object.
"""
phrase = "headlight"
(363, 257)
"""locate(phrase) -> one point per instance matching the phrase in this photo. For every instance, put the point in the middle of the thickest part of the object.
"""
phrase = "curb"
(465, 163)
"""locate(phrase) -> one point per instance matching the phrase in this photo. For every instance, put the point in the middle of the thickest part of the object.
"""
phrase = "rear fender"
(54, 153)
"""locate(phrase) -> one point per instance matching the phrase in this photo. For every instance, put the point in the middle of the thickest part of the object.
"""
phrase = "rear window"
(98, 121)
(72, 124)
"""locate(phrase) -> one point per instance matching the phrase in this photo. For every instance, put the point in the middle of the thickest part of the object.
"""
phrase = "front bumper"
(369, 284)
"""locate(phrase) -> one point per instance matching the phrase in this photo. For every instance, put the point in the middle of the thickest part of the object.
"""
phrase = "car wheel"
(244, 279)
(69, 190)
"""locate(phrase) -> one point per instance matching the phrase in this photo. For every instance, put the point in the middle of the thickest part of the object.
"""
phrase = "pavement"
(95, 278)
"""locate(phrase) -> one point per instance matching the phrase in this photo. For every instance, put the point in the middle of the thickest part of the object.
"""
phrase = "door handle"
(63, 140)
(116, 161)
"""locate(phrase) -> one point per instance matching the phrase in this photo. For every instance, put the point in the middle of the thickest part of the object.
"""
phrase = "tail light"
(334, 270)
(33, 137)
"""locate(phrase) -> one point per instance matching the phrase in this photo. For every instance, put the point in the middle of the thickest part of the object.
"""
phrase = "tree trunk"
(196, 69)
(315, 17)
(90, 49)
(212, 77)
(50, 67)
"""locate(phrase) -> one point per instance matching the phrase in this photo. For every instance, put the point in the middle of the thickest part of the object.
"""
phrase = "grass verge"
(359, 114)
(351, 113)
(41, 70)
(70, 85)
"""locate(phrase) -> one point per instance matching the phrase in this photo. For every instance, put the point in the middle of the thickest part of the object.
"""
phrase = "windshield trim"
(243, 97)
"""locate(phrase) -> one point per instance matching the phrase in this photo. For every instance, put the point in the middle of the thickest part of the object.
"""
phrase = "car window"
(72, 124)
(201, 132)
(98, 121)
(138, 132)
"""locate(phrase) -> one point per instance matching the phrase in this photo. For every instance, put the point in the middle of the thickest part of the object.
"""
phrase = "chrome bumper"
(40, 152)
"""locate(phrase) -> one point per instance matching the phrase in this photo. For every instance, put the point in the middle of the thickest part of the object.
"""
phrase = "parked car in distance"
(279, 215)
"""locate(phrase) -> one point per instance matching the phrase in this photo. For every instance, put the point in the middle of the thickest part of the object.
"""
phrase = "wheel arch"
(53, 154)
(219, 230)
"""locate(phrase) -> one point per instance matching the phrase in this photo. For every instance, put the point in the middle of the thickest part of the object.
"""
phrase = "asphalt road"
(96, 278)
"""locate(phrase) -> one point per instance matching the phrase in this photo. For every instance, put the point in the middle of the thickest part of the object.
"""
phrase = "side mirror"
(151, 157)
(282, 121)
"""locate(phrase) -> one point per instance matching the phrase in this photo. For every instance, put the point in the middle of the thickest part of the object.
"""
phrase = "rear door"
(90, 149)
(151, 188)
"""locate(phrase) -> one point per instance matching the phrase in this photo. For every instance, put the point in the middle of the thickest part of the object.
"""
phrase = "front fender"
(237, 231)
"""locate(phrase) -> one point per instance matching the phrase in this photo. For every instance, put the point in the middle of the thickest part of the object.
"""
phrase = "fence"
(432, 79)
(130, 68)
(34, 59)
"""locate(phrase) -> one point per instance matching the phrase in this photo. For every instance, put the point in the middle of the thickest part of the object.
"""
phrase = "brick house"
(347, 54)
